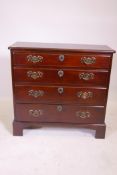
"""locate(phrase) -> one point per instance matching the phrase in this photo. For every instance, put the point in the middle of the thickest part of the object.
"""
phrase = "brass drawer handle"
(59, 108)
(88, 60)
(83, 114)
(34, 59)
(61, 58)
(60, 73)
(36, 93)
(60, 90)
(35, 113)
(86, 76)
(85, 95)
(35, 75)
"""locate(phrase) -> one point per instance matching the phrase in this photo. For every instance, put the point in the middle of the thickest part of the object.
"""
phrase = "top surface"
(61, 46)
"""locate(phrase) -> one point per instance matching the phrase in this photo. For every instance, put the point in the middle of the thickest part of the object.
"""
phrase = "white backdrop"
(56, 151)
(63, 21)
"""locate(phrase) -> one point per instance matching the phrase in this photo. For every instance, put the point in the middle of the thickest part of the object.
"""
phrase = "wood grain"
(30, 111)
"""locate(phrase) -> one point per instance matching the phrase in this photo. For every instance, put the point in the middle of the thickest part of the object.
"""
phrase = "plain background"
(56, 151)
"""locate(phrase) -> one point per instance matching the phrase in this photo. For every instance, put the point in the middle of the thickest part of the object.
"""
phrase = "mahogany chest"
(60, 84)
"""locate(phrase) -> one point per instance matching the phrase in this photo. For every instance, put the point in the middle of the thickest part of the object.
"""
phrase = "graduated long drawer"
(59, 113)
(62, 59)
(61, 76)
(60, 94)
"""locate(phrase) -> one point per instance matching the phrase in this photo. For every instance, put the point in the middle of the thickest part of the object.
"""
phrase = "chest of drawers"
(60, 84)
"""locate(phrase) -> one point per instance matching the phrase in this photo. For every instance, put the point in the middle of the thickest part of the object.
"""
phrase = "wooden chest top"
(62, 47)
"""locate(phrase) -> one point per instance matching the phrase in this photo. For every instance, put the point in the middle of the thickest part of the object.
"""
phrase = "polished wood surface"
(51, 95)
(60, 46)
(60, 84)
(68, 76)
(68, 113)
(70, 59)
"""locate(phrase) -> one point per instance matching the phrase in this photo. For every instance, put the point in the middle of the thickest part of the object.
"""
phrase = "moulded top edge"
(61, 47)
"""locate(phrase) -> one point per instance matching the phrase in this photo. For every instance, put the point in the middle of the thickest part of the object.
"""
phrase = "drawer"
(61, 76)
(59, 113)
(62, 59)
(60, 94)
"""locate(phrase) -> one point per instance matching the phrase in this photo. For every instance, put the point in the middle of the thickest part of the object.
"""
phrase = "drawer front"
(61, 76)
(61, 59)
(59, 113)
(60, 94)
